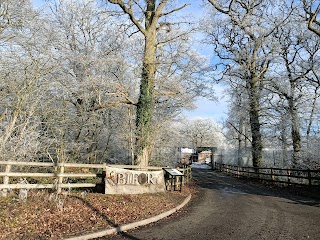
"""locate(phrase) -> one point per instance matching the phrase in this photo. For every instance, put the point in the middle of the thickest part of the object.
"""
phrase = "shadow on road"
(230, 208)
(221, 182)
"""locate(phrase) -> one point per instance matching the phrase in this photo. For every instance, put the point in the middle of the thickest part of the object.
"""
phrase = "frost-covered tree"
(240, 32)
(151, 19)
(23, 62)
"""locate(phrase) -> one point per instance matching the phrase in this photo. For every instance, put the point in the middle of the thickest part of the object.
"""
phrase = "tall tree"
(243, 45)
(146, 15)
(238, 120)
(297, 57)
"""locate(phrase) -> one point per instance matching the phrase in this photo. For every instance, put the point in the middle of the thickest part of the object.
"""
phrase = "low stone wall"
(123, 181)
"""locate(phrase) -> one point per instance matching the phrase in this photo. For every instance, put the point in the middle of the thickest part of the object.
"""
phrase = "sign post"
(173, 174)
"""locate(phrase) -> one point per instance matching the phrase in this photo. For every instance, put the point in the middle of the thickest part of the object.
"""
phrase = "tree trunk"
(241, 140)
(131, 135)
(284, 141)
(152, 11)
(295, 134)
(255, 123)
(309, 125)
(145, 105)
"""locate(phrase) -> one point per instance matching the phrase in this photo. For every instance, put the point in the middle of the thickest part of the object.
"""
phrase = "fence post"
(309, 177)
(187, 173)
(288, 173)
(60, 181)
(272, 175)
(184, 178)
(6, 180)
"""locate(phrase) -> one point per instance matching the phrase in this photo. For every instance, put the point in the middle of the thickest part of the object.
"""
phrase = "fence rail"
(276, 175)
(56, 172)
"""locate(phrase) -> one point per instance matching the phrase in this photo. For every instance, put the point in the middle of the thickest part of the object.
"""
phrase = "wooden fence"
(54, 171)
(187, 171)
(57, 173)
(274, 175)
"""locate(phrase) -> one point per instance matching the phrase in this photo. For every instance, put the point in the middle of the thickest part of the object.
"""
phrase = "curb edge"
(133, 225)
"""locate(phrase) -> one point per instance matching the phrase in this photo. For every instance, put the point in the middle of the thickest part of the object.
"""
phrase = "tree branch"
(129, 12)
(312, 17)
(167, 93)
(219, 8)
(114, 104)
(174, 10)
(157, 13)
(170, 40)
(240, 132)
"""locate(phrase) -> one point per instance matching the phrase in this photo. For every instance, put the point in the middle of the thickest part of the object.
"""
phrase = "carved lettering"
(111, 178)
(122, 178)
(151, 179)
(135, 179)
(122, 181)
(131, 178)
(142, 179)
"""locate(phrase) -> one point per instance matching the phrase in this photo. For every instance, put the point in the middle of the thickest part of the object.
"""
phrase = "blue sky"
(205, 108)
(210, 109)
(38, 2)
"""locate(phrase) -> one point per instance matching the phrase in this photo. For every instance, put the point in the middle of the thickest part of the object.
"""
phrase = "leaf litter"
(55, 216)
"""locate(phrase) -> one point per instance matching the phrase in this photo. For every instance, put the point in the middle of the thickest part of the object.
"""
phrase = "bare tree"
(146, 17)
(294, 85)
(312, 11)
(242, 40)
(238, 123)
(202, 133)
(23, 65)
(83, 111)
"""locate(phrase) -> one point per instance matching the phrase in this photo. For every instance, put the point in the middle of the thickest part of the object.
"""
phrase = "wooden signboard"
(173, 174)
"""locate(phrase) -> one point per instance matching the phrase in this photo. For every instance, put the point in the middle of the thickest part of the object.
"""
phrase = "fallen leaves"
(44, 216)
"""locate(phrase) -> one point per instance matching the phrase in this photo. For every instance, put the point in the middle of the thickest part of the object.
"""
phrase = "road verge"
(129, 226)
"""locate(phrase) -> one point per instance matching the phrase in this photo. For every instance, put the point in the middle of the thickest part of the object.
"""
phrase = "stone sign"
(123, 181)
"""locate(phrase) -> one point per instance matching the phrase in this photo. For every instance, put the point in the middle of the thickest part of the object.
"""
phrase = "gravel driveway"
(229, 208)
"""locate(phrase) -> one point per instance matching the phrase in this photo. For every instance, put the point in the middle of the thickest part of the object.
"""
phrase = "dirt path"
(228, 208)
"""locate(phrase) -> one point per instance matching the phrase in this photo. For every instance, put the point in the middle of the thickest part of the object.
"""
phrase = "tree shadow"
(105, 218)
(222, 182)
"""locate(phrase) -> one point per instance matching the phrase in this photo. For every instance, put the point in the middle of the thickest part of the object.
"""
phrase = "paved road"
(228, 208)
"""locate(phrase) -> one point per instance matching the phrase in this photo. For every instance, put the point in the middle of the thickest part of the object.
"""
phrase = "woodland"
(108, 81)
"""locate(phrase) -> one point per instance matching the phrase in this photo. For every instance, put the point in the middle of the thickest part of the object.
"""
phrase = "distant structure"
(186, 156)
(200, 155)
